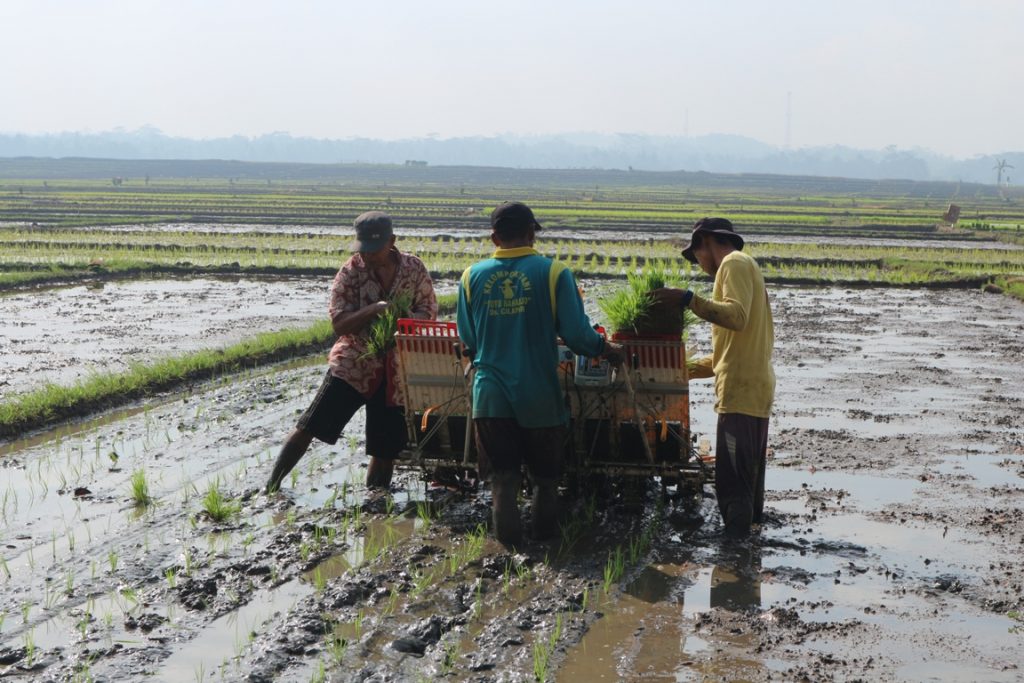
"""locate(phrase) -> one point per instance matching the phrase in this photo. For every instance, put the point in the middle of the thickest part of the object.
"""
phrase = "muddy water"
(345, 233)
(892, 548)
(63, 334)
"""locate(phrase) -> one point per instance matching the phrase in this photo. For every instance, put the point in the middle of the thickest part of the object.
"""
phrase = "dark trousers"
(739, 470)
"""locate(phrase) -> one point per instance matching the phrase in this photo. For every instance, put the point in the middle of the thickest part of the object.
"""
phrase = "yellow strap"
(465, 282)
(556, 270)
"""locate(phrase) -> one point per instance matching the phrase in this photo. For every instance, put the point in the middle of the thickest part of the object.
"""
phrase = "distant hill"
(709, 153)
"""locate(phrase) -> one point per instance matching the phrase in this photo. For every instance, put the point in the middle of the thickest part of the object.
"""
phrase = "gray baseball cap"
(373, 230)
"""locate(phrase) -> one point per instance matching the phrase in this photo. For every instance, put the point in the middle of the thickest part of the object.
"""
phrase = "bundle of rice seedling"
(633, 309)
(381, 336)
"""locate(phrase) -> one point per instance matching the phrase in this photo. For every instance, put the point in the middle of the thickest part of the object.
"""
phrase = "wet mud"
(891, 549)
(63, 334)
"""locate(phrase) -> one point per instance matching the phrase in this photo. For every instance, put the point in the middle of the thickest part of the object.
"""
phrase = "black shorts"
(335, 404)
(503, 445)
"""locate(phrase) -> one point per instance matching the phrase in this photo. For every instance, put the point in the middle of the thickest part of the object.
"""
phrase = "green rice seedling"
(216, 506)
(540, 661)
(319, 580)
(112, 560)
(30, 648)
(389, 608)
(478, 601)
(172, 577)
(69, 582)
(424, 514)
(506, 578)
(451, 653)
(336, 649)
(381, 335)
(3, 566)
(469, 551)
(420, 581)
(26, 607)
(140, 489)
(357, 625)
(614, 568)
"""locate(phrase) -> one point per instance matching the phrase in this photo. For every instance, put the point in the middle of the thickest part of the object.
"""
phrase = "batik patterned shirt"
(355, 287)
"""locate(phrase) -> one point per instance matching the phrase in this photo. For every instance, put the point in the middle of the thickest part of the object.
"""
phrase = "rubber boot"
(544, 513)
(378, 473)
(508, 527)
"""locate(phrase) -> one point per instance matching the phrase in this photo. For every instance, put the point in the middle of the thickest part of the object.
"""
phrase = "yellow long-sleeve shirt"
(742, 336)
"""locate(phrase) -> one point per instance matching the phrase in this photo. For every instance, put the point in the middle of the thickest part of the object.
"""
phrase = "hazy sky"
(940, 74)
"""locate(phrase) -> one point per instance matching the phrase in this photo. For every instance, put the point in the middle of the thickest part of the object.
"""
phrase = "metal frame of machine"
(628, 424)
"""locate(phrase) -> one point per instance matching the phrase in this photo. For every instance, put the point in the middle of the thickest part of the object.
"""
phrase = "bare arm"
(353, 322)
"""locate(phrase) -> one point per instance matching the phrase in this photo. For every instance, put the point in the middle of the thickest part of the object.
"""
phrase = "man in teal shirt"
(512, 308)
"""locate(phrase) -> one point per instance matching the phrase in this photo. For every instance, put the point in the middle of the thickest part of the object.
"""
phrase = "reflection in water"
(736, 582)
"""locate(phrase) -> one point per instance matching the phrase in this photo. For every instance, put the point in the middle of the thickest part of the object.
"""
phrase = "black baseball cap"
(513, 217)
(373, 230)
(712, 226)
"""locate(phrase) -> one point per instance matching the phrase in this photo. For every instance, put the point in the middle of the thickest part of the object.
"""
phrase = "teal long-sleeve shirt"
(512, 308)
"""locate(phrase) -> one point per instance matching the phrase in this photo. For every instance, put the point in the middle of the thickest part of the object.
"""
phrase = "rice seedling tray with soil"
(895, 514)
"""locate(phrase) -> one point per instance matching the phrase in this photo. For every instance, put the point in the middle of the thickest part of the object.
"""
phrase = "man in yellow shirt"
(742, 336)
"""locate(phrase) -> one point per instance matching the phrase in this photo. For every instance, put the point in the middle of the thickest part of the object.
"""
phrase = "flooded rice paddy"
(891, 551)
(64, 334)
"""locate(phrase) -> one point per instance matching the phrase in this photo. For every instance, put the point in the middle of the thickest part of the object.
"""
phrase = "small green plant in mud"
(187, 557)
(469, 551)
(3, 567)
(112, 560)
(421, 580)
(26, 607)
(506, 578)
(614, 568)
(171, 575)
(1017, 616)
(424, 515)
(30, 647)
(319, 580)
(389, 606)
(140, 489)
(478, 601)
(336, 648)
(451, 653)
(217, 507)
(542, 651)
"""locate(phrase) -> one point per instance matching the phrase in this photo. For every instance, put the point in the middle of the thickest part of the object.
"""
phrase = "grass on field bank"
(105, 390)
(1012, 286)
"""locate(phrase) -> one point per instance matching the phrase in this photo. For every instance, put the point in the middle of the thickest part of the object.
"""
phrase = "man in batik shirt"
(376, 274)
